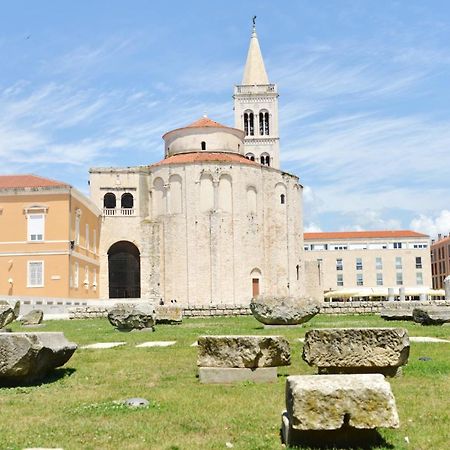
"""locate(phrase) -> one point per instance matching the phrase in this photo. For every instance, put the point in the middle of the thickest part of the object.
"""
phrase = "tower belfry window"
(249, 123)
(264, 123)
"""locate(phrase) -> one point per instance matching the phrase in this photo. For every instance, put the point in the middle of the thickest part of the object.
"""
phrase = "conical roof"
(255, 71)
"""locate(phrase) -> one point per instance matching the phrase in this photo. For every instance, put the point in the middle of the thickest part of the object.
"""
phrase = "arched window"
(249, 123)
(127, 201)
(264, 123)
(109, 200)
(282, 199)
(203, 145)
(265, 159)
(250, 156)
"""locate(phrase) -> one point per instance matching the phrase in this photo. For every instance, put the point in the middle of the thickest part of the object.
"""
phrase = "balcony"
(118, 212)
(255, 89)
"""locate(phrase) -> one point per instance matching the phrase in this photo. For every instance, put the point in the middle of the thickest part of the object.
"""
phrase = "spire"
(254, 72)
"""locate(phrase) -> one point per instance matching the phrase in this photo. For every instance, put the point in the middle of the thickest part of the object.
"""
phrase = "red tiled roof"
(27, 181)
(205, 122)
(197, 157)
(386, 234)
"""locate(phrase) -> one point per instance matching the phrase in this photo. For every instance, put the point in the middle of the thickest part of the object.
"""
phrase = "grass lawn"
(77, 410)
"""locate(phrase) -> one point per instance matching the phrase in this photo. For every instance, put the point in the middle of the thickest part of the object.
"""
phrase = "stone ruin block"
(357, 350)
(169, 314)
(132, 317)
(33, 317)
(28, 357)
(8, 312)
(228, 359)
(431, 315)
(337, 408)
(393, 311)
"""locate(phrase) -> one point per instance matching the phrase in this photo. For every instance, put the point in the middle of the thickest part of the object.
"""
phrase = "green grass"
(79, 409)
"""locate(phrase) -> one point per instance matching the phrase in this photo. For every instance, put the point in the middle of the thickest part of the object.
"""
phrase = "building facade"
(440, 260)
(49, 236)
(377, 260)
(216, 221)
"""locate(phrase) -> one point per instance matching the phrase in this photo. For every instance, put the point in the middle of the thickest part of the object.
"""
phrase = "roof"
(383, 234)
(28, 181)
(254, 72)
(199, 157)
(205, 122)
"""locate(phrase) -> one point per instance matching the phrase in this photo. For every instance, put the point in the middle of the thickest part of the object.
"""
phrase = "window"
(359, 264)
(87, 236)
(203, 145)
(35, 274)
(379, 279)
(94, 243)
(250, 156)
(109, 200)
(419, 278)
(75, 275)
(282, 199)
(264, 123)
(359, 279)
(398, 262)
(86, 277)
(94, 280)
(378, 263)
(399, 279)
(297, 268)
(77, 226)
(36, 224)
(265, 159)
(339, 264)
(127, 201)
(397, 245)
(340, 279)
(249, 123)
(418, 262)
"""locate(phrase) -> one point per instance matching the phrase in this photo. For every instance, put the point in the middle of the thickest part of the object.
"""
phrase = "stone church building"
(214, 222)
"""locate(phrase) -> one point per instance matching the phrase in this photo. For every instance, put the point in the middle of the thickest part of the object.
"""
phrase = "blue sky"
(364, 94)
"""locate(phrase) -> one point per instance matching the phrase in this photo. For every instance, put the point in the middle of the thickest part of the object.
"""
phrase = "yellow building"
(49, 235)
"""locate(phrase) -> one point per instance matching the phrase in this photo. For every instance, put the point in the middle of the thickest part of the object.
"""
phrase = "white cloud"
(312, 227)
(434, 224)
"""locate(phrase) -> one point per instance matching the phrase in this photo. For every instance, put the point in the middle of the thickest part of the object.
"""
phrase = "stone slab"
(427, 339)
(268, 327)
(363, 401)
(227, 375)
(397, 313)
(431, 315)
(194, 344)
(357, 350)
(169, 314)
(156, 344)
(104, 345)
(243, 351)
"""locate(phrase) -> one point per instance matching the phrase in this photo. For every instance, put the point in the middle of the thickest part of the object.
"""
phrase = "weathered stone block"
(283, 310)
(328, 402)
(356, 350)
(431, 315)
(27, 357)
(7, 315)
(243, 351)
(228, 375)
(393, 311)
(129, 317)
(169, 314)
(34, 317)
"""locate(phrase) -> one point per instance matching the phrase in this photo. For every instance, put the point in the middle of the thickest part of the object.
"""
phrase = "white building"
(367, 263)
(216, 221)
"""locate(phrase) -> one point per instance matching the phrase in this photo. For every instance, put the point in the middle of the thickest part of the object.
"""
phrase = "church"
(216, 222)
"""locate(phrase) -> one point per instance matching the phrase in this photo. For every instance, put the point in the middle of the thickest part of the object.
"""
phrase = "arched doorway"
(124, 270)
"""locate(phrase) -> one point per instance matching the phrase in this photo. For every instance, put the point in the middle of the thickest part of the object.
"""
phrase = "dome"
(204, 135)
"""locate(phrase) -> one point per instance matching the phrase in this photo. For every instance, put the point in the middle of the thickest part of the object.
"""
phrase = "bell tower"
(256, 108)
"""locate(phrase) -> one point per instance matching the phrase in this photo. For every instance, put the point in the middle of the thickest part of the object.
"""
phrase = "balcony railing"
(118, 212)
(258, 89)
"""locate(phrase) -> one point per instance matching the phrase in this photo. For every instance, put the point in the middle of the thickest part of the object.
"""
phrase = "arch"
(203, 144)
(176, 195)
(206, 193)
(265, 159)
(109, 200)
(159, 197)
(264, 122)
(250, 156)
(249, 123)
(226, 193)
(252, 199)
(124, 270)
(127, 201)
